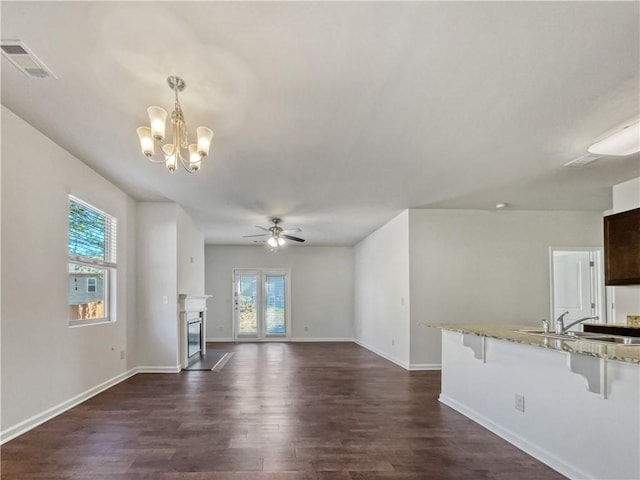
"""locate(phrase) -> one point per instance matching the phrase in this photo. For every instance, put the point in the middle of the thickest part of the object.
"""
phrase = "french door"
(261, 304)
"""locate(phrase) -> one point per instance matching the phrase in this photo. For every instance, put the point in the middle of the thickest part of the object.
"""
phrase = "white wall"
(321, 288)
(476, 266)
(626, 196)
(190, 244)
(381, 279)
(157, 285)
(457, 266)
(170, 260)
(45, 364)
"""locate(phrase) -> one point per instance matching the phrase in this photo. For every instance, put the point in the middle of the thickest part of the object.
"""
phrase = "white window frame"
(108, 265)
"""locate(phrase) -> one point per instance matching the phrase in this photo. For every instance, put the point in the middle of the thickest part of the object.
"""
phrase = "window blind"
(92, 235)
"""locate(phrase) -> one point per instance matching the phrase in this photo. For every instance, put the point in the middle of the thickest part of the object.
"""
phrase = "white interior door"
(261, 304)
(576, 279)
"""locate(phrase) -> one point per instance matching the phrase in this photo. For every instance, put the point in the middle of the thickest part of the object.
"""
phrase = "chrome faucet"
(561, 328)
(545, 325)
(559, 325)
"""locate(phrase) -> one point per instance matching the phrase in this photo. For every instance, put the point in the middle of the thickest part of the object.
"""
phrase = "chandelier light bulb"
(281, 241)
(272, 242)
(204, 140)
(171, 160)
(171, 163)
(194, 157)
(146, 141)
(157, 120)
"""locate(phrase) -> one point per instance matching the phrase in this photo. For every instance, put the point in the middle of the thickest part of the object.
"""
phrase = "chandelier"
(179, 150)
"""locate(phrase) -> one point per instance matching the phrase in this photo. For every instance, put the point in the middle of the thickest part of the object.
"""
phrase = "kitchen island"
(572, 404)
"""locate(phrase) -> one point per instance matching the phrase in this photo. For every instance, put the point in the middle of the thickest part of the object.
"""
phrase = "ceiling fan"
(277, 234)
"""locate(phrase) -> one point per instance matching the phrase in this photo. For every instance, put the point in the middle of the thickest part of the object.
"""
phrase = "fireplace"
(192, 327)
(194, 336)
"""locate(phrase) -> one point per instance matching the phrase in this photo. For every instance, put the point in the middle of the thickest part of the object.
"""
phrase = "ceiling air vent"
(18, 54)
(582, 160)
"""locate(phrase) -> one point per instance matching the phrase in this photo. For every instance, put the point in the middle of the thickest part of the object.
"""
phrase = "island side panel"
(576, 432)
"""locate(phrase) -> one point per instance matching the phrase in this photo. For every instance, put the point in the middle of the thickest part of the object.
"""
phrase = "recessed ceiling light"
(621, 143)
(500, 206)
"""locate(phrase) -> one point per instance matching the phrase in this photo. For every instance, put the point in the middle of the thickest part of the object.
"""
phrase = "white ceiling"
(336, 116)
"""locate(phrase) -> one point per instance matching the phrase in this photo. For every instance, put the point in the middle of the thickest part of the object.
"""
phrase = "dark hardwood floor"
(316, 411)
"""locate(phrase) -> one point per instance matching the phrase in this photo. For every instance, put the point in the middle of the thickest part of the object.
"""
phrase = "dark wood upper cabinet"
(622, 248)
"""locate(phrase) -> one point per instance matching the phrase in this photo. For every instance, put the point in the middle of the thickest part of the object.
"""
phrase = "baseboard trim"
(278, 339)
(513, 438)
(31, 423)
(382, 354)
(175, 369)
(425, 366)
(323, 340)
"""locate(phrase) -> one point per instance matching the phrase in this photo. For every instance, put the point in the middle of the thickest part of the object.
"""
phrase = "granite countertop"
(510, 333)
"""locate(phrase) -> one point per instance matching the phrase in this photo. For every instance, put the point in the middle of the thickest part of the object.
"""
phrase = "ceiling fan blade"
(262, 228)
(258, 235)
(292, 230)
(295, 239)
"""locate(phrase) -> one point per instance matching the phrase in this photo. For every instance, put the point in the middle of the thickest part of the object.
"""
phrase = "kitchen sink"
(563, 336)
(614, 339)
(586, 336)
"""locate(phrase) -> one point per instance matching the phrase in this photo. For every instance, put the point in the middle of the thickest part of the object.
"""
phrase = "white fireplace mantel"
(191, 304)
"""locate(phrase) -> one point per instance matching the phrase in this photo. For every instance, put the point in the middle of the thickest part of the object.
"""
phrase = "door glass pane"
(248, 293)
(275, 305)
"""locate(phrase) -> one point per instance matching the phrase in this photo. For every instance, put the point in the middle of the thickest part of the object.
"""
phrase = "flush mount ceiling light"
(621, 143)
(189, 155)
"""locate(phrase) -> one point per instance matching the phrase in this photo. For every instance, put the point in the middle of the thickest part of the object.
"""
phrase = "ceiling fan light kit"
(179, 150)
(277, 235)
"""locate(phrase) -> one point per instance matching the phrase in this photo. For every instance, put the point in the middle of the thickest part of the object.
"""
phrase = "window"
(92, 263)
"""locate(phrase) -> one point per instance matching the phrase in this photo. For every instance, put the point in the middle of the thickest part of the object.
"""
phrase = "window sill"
(87, 322)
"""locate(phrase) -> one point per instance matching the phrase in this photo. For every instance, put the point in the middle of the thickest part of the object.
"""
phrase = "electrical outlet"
(393, 342)
(306, 329)
(220, 328)
(121, 354)
(518, 402)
